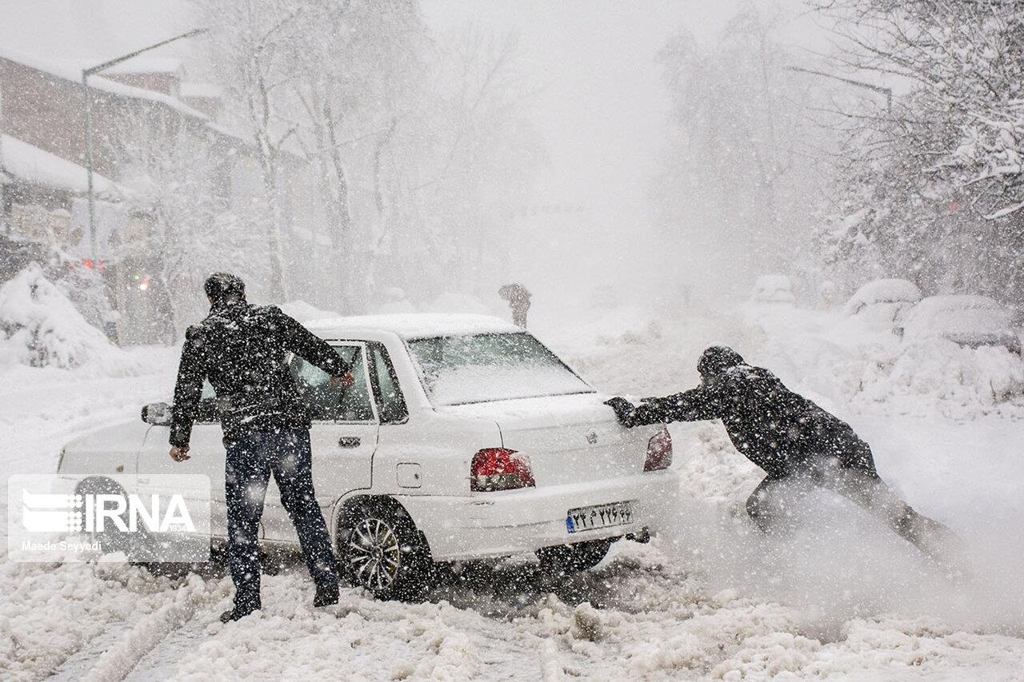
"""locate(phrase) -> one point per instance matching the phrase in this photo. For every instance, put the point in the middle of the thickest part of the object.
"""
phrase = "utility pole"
(859, 84)
(93, 245)
(3, 205)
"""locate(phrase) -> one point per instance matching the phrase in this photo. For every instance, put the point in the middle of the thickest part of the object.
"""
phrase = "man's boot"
(326, 595)
(240, 611)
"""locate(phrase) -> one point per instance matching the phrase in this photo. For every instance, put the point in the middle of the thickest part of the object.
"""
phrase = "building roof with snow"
(21, 161)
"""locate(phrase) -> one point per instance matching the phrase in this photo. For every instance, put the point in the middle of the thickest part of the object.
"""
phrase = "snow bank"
(458, 303)
(394, 303)
(42, 328)
(959, 382)
(850, 365)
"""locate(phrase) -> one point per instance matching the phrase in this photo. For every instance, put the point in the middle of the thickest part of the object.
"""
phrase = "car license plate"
(599, 516)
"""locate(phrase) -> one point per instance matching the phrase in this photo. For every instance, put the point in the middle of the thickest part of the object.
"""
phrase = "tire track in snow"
(127, 649)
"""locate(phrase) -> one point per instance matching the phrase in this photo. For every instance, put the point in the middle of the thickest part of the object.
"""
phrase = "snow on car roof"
(957, 314)
(417, 325)
(883, 291)
(952, 302)
(887, 291)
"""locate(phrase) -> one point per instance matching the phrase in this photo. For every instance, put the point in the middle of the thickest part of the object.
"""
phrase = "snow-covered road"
(708, 600)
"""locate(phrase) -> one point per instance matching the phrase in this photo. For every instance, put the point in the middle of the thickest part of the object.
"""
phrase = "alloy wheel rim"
(374, 553)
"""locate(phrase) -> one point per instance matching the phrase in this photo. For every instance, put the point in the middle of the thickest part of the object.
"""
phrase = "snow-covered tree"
(934, 189)
(416, 143)
(184, 224)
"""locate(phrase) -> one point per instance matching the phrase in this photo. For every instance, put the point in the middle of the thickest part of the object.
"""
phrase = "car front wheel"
(380, 549)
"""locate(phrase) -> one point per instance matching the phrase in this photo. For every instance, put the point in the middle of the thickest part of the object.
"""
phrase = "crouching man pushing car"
(792, 439)
(240, 348)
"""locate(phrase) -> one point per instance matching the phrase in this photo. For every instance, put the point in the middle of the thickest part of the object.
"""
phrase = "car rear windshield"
(457, 370)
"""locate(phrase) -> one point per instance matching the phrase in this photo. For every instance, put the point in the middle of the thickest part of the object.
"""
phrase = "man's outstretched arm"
(694, 405)
(187, 392)
(309, 346)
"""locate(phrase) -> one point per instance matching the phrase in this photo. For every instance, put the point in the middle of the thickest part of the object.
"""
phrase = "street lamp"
(88, 125)
(860, 84)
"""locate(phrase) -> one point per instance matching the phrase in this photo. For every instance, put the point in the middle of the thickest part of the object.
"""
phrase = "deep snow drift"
(709, 598)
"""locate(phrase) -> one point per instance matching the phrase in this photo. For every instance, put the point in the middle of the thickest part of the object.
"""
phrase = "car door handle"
(349, 441)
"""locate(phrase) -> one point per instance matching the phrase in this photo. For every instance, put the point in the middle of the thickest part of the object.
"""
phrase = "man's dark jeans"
(250, 462)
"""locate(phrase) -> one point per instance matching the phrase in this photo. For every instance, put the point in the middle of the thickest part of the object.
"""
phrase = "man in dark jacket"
(790, 437)
(240, 349)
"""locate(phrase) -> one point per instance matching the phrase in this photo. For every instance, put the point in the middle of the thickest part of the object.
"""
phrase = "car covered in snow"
(971, 321)
(773, 289)
(463, 438)
(883, 302)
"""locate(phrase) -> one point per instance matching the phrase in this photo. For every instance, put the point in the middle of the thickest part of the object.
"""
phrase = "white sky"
(602, 110)
(602, 104)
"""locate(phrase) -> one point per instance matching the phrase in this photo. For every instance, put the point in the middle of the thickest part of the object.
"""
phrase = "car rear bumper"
(488, 525)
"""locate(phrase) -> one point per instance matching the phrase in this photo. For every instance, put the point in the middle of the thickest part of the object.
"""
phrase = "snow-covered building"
(43, 159)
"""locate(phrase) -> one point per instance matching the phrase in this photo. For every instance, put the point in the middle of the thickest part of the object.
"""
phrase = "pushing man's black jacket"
(241, 349)
(770, 425)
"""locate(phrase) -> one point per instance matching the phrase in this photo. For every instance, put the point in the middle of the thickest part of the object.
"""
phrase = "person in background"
(518, 300)
(240, 348)
(792, 439)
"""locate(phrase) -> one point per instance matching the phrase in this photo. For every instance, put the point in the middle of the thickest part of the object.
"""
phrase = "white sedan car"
(463, 438)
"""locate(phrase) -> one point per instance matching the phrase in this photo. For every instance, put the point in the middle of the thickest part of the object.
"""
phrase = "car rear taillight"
(500, 469)
(659, 452)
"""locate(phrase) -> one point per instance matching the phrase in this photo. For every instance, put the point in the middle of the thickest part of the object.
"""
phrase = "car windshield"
(457, 370)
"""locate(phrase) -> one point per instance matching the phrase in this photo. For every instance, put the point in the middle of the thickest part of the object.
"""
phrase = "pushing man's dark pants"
(769, 505)
(250, 462)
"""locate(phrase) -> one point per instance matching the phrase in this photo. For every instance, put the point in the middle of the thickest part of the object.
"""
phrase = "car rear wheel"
(568, 559)
(380, 549)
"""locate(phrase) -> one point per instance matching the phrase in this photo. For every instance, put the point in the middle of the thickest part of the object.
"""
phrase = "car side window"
(207, 412)
(327, 402)
(390, 401)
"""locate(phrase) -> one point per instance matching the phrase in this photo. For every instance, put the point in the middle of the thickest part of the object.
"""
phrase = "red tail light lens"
(500, 469)
(659, 452)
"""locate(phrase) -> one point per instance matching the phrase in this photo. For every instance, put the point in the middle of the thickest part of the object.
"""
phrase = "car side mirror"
(157, 414)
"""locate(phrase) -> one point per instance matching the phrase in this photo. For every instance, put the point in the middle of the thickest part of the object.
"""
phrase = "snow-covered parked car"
(972, 321)
(773, 289)
(463, 438)
(883, 302)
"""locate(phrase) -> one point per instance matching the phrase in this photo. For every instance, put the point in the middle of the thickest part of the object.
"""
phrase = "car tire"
(380, 549)
(569, 559)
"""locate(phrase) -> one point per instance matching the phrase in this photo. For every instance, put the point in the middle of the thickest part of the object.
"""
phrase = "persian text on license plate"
(599, 516)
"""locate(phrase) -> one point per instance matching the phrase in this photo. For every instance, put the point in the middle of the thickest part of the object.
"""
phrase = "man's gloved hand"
(623, 408)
